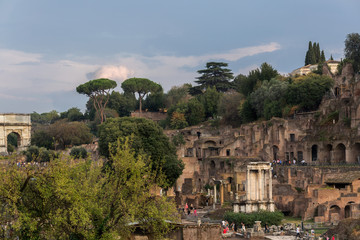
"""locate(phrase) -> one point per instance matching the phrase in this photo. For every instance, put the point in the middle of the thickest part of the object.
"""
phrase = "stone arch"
(348, 209)
(314, 152)
(210, 143)
(275, 152)
(20, 124)
(340, 153)
(334, 213)
(328, 153)
(356, 153)
(18, 138)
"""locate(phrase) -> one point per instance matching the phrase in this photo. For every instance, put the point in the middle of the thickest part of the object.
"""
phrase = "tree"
(147, 137)
(73, 114)
(228, 108)
(308, 91)
(269, 91)
(176, 95)
(215, 75)
(322, 57)
(82, 200)
(155, 100)
(99, 91)
(123, 103)
(352, 49)
(141, 86)
(210, 99)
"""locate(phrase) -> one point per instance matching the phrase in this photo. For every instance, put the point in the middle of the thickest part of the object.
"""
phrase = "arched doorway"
(356, 153)
(314, 152)
(13, 142)
(328, 151)
(348, 213)
(340, 153)
(275, 151)
(334, 213)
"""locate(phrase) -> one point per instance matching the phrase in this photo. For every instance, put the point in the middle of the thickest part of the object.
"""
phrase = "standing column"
(266, 175)
(270, 184)
(214, 196)
(261, 184)
(221, 193)
(248, 196)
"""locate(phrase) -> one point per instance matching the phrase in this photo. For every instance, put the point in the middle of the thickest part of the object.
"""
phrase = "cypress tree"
(331, 57)
(322, 58)
(308, 54)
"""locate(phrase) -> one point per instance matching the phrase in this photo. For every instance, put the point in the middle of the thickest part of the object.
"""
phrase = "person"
(223, 223)
(195, 212)
(243, 227)
(186, 207)
(298, 231)
(266, 228)
(232, 226)
(333, 237)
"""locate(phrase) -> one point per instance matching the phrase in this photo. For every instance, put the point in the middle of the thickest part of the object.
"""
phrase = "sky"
(48, 48)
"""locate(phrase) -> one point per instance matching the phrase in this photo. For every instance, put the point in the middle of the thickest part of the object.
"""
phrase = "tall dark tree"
(215, 75)
(322, 57)
(309, 54)
(352, 49)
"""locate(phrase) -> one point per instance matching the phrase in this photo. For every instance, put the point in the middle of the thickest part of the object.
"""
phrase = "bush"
(37, 154)
(78, 152)
(269, 218)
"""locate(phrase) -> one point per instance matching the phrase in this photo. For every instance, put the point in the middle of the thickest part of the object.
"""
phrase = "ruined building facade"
(323, 139)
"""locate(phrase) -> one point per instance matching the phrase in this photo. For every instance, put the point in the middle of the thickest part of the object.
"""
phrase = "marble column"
(248, 196)
(270, 185)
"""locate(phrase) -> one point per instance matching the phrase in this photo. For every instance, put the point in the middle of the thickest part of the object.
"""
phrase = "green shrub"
(269, 218)
(37, 154)
(78, 152)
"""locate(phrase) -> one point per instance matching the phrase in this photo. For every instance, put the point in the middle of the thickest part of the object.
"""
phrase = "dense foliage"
(78, 152)
(148, 138)
(80, 199)
(352, 49)
(269, 218)
(61, 134)
(141, 86)
(314, 55)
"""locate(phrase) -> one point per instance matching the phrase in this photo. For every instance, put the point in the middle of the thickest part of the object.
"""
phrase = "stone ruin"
(221, 156)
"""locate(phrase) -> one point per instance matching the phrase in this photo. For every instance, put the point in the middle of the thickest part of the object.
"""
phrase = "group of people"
(232, 227)
(190, 209)
(288, 162)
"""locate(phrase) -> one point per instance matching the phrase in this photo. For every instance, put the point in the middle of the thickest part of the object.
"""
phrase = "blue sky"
(47, 48)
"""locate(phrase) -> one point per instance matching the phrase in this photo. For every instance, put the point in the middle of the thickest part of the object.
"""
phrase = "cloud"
(117, 73)
(30, 80)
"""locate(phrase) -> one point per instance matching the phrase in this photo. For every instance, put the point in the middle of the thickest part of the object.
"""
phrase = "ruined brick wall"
(203, 232)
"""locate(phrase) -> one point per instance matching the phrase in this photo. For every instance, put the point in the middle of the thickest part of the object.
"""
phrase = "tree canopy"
(147, 137)
(141, 86)
(352, 49)
(215, 75)
(99, 91)
(79, 199)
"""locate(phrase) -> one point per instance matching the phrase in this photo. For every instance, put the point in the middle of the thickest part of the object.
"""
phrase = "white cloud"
(117, 73)
(30, 78)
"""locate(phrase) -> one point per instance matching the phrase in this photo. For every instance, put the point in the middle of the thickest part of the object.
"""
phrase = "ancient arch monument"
(20, 124)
